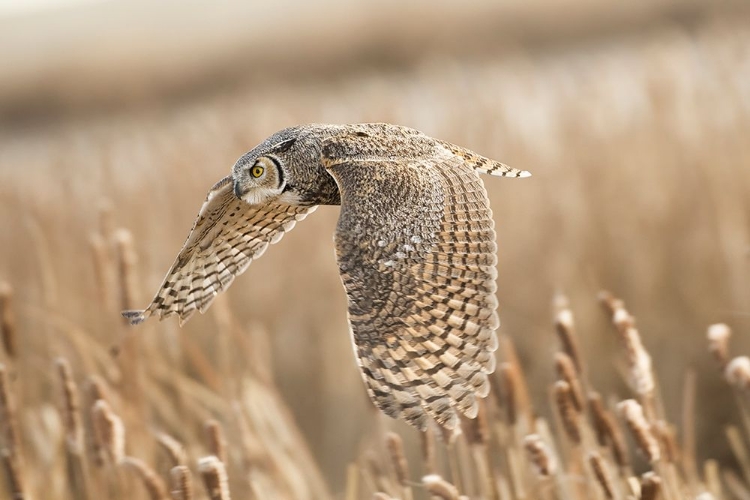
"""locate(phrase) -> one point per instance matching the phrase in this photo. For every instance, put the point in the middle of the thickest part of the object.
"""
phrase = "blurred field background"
(634, 120)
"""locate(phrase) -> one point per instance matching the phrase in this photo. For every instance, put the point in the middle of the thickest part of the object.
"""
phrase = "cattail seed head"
(607, 430)
(737, 373)
(217, 445)
(567, 372)
(567, 411)
(650, 486)
(173, 448)
(108, 430)
(440, 488)
(214, 476)
(127, 260)
(182, 483)
(398, 458)
(718, 342)
(428, 450)
(602, 474)
(640, 429)
(509, 385)
(8, 417)
(609, 302)
(539, 455)
(565, 328)
(71, 405)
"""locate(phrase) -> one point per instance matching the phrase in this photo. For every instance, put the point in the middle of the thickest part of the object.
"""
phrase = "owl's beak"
(238, 192)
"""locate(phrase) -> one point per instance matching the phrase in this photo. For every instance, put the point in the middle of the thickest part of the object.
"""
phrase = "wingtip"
(524, 173)
(134, 317)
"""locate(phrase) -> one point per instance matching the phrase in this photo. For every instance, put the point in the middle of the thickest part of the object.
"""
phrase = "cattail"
(8, 320)
(182, 483)
(127, 260)
(108, 430)
(650, 486)
(607, 430)
(173, 448)
(566, 409)
(214, 476)
(566, 371)
(439, 487)
(737, 373)
(12, 474)
(632, 413)
(509, 385)
(217, 445)
(601, 472)
(718, 342)
(428, 450)
(609, 302)
(565, 328)
(398, 458)
(154, 485)
(8, 421)
(540, 455)
(71, 405)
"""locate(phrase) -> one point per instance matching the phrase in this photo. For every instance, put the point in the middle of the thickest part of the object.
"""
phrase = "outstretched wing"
(227, 235)
(416, 247)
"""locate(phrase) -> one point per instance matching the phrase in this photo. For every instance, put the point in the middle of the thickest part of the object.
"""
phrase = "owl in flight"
(415, 245)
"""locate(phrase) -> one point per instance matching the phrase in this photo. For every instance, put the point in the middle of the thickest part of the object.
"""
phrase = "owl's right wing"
(415, 243)
(227, 235)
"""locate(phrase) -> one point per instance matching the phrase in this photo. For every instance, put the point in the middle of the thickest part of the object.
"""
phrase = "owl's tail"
(484, 165)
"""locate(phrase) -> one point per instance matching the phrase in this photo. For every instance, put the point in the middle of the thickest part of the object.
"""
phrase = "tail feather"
(484, 165)
(134, 317)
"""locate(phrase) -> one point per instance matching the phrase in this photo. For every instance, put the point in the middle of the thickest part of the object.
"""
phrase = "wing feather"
(416, 249)
(226, 237)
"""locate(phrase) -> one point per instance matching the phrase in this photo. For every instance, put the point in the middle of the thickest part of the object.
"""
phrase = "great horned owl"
(415, 245)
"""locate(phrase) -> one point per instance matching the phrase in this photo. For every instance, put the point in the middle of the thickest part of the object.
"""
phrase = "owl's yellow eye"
(256, 171)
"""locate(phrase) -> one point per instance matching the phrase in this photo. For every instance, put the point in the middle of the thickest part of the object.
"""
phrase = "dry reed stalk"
(735, 485)
(127, 261)
(108, 430)
(174, 449)
(509, 387)
(607, 430)
(602, 474)
(8, 418)
(382, 496)
(566, 370)
(13, 478)
(71, 405)
(737, 444)
(217, 444)
(565, 328)
(395, 446)
(539, 455)
(95, 388)
(151, 481)
(521, 397)
(651, 486)
(609, 302)
(640, 429)
(182, 483)
(440, 488)
(569, 417)
(640, 371)
(667, 436)
(214, 476)
(8, 331)
(352, 482)
(718, 342)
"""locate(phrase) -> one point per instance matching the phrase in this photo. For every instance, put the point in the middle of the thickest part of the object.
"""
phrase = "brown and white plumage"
(415, 243)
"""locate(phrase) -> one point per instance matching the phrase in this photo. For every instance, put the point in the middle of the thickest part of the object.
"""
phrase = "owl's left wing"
(415, 244)
(227, 235)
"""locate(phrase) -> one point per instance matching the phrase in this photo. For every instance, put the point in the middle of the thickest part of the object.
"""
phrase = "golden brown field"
(638, 139)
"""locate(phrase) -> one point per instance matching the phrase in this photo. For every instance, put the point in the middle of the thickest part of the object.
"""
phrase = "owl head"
(262, 174)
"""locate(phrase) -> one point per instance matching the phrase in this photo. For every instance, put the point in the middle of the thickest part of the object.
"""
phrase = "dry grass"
(639, 151)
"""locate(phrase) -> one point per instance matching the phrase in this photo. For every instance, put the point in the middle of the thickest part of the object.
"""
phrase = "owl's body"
(415, 243)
